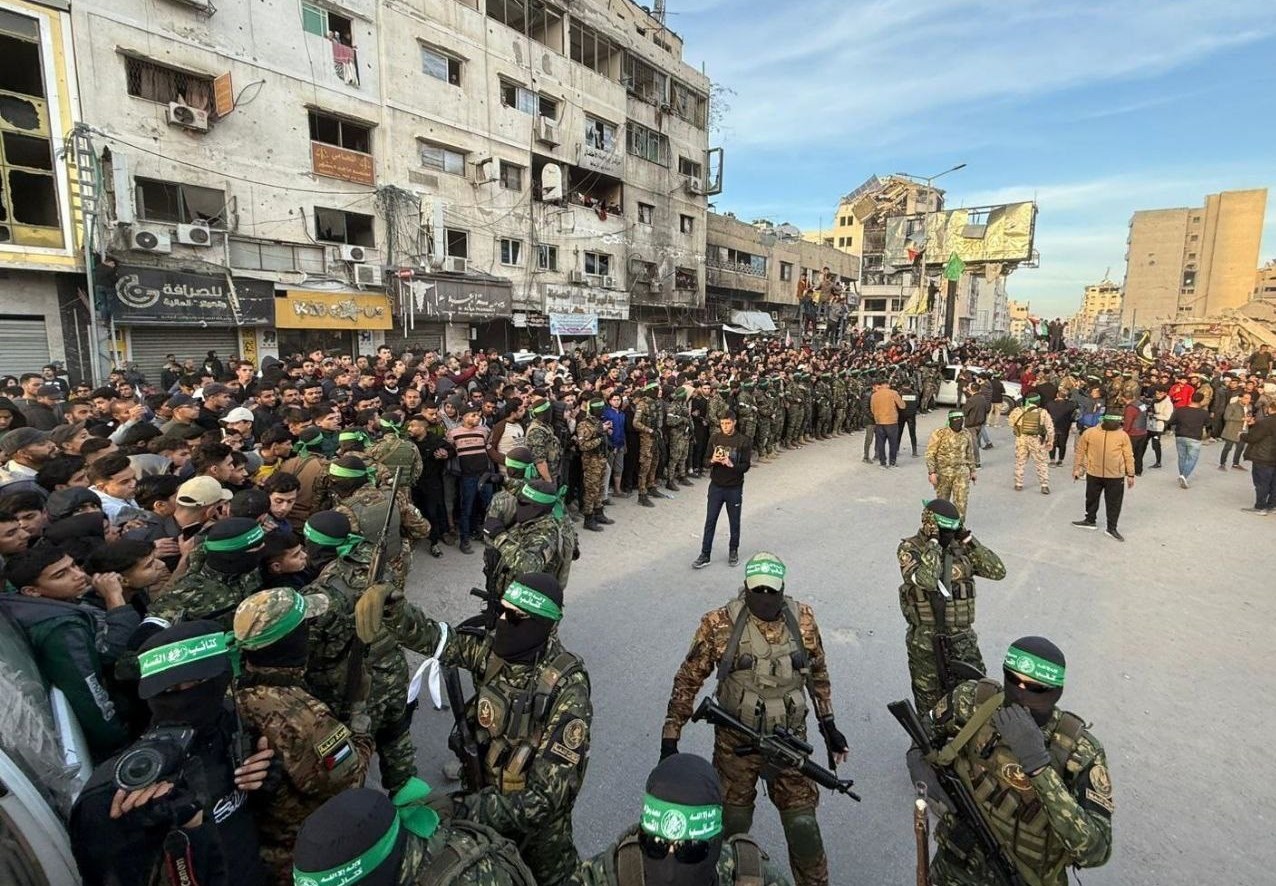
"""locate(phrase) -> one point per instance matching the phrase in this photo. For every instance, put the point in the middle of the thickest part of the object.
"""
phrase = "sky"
(1093, 109)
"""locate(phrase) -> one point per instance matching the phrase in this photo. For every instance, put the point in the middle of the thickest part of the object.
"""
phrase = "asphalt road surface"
(1164, 636)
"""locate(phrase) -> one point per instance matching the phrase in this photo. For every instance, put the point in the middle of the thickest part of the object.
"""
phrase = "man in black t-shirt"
(729, 454)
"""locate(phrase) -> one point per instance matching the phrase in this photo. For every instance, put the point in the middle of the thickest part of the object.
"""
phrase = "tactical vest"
(466, 845)
(370, 514)
(1005, 794)
(395, 452)
(760, 683)
(959, 612)
(626, 865)
(1029, 423)
(543, 433)
(511, 722)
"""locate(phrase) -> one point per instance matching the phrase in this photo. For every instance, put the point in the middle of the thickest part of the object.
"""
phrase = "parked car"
(950, 396)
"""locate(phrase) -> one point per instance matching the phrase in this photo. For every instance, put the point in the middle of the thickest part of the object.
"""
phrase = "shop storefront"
(338, 322)
(156, 311)
(452, 313)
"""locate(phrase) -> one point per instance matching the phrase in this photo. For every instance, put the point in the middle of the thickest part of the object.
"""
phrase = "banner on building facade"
(606, 304)
(157, 295)
(447, 298)
(573, 324)
(309, 309)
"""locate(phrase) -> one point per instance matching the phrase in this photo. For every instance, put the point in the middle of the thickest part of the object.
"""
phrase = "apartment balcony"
(738, 276)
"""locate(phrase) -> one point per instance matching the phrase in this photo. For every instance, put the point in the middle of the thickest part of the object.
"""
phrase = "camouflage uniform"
(311, 469)
(545, 446)
(951, 456)
(504, 504)
(1029, 442)
(746, 409)
(332, 635)
(542, 544)
(792, 414)
(930, 388)
(391, 452)
(922, 564)
(678, 421)
(365, 509)
(593, 459)
(1060, 817)
(766, 417)
(604, 868)
(319, 755)
(465, 853)
(839, 404)
(205, 593)
(533, 768)
(645, 425)
(794, 795)
(822, 410)
(718, 407)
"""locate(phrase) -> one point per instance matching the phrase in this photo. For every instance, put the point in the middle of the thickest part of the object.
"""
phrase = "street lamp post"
(950, 298)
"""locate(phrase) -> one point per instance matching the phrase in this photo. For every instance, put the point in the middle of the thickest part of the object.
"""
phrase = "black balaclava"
(944, 512)
(289, 651)
(956, 419)
(766, 605)
(764, 576)
(522, 642)
(199, 706)
(346, 827)
(331, 523)
(530, 510)
(1042, 662)
(686, 780)
(242, 560)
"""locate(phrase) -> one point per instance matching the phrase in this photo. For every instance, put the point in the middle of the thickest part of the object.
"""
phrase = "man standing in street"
(1034, 437)
(1105, 456)
(950, 462)
(771, 669)
(886, 405)
(1260, 449)
(1189, 424)
(730, 456)
(976, 411)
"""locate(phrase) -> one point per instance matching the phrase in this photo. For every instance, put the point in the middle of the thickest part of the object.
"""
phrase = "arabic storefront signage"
(607, 304)
(157, 295)
(450, 299)
(346, 165)
(306, 309)
(598, 160)
(573, 324)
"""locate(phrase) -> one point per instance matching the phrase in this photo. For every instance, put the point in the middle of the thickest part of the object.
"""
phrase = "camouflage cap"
(269, 616)
(765, 570)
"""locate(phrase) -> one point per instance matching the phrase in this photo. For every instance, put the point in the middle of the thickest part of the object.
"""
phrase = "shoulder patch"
(334, 749)
(575, 733)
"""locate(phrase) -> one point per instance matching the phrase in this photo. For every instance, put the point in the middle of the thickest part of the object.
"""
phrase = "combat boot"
(671, 485)
(592, 524)
(644, 500)
(685, 482)
(601, 517)
(654, 492)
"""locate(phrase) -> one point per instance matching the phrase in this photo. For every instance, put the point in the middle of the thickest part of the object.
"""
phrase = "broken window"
(647, 143)
(685, 278)
(597, 264)
(689, 168)
(599, 133)
(160, 201)
(646, 214)
(593, 50)
(442, 158)
(545, 25)
(29, 211)
(158, 83)
(512, 13)
(338, 226)
(689, 104)
(346, 134)
(511, 176)
(518, 97)
(441, 66)
(644, 81)
(546, 257)
(547, 107)
(457, 243)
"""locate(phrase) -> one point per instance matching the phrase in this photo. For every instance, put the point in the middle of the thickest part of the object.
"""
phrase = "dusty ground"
(1164, 636)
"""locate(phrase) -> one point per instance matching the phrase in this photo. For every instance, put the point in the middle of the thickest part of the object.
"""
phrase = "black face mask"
(668, 871)
(957, 424)
(199, 706)
(521, 642)
(946, 537)
(1040, 704)
(289, 652)
(766, 605)
(235, 562)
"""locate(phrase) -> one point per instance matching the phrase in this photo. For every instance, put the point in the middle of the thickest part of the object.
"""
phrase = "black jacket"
(1260, 442)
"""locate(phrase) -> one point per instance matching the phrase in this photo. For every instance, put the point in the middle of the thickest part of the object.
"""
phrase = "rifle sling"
(945, 757)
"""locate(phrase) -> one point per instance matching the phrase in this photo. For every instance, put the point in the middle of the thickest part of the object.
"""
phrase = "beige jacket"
(1103, 453)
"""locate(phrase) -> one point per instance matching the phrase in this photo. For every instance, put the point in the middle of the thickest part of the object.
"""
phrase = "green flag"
(952, 270)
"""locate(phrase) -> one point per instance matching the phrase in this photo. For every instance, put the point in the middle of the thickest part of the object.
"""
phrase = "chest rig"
(933, 609)
(1004, 792)
(762, 683)
(512, 718)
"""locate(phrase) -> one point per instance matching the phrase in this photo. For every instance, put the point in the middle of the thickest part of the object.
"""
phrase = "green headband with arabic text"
(678, 823)
(1034, 667)
(241, 542)
(532, 601)
(343, 545)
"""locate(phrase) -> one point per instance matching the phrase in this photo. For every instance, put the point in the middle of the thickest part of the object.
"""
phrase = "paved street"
(1161, 634)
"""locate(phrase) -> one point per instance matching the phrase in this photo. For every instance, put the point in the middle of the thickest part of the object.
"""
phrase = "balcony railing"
(737, 267)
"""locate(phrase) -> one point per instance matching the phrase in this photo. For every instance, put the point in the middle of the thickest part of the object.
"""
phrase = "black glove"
(963, 535)
(1024, 737)
(492, 527)
(668, 747)
(834, 740)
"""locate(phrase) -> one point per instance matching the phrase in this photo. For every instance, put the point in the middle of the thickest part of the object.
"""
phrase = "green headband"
(343, 545)
(677, 823)
(533, 494)
(1032, 398)
(540, 407)
(182, 652)
(280, 629)
(1045, 672)
(955, 413)
(391, 426)
(680, 394)
(304, 445)
(528, 469)
(764, 566)
(596, 405)
(336, 470)
(352, 436)
(1108, 417)
(532, 601)
(649, 386)
(410, 813)
(238, 543)
(940, 520)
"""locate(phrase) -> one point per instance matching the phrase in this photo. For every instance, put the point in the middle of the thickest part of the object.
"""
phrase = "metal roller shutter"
(149, 345)
(24, 344)
(426, 337)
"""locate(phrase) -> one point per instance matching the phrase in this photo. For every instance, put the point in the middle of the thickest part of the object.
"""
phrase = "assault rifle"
(462, 741)
(962, 800)
(359, 649)
(781, 749)
(491, 606)
(950, 672)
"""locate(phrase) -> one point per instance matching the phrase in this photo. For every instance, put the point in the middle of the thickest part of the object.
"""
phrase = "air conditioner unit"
(576, 277)
(150, 240)
(656, 286)
(456, 265)
(695, 186)
(186, 117)
(547, 131)
(368, 275)
(205, 6)
(354, 253)
(485, 171)
(609, 282)
(196, 234)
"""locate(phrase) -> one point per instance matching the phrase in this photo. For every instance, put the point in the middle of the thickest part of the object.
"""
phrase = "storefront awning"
(460, 298)
(750, 322)
(155, 295)
(320, 309)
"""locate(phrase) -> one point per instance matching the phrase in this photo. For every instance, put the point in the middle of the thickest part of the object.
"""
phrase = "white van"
(949, 395)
